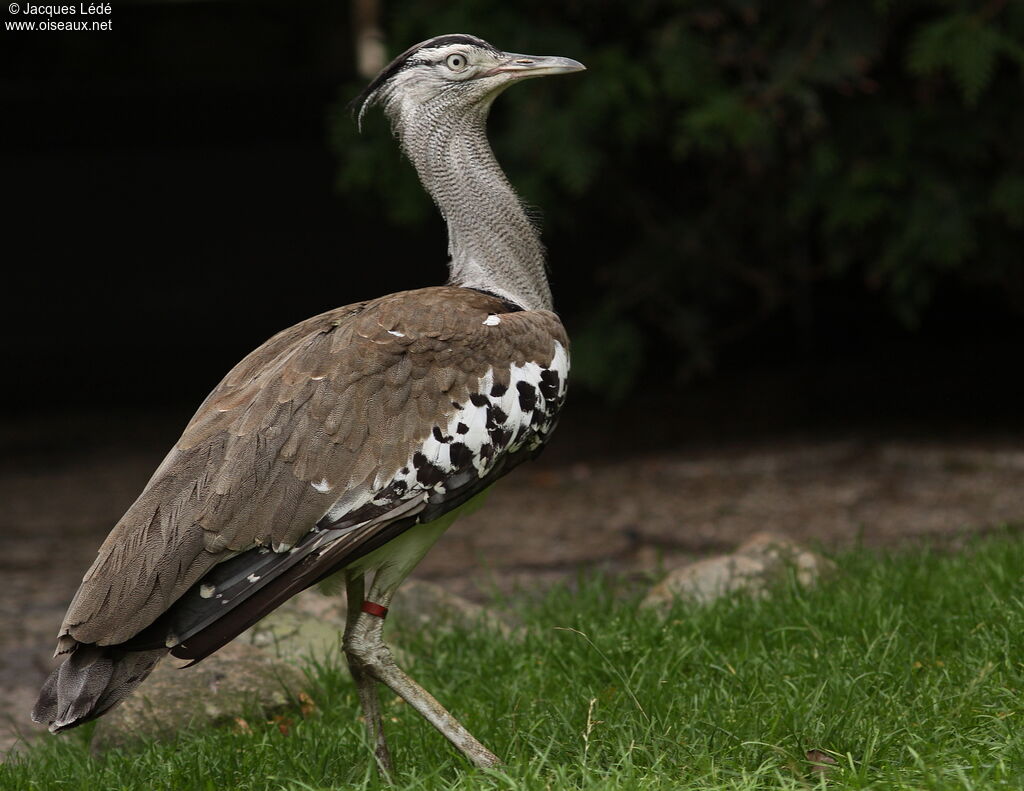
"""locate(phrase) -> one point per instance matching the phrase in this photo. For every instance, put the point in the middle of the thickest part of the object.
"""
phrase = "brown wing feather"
(343, 398)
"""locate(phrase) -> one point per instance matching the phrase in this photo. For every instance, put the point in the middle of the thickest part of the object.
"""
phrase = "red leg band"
(372, 608)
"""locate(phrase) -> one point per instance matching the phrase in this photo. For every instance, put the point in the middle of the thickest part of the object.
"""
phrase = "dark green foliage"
(720, 160)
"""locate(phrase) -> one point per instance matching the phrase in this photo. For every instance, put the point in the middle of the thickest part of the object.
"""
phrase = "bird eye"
(456, 62)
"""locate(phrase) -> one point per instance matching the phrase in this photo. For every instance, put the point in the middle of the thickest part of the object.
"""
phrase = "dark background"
(759, 216)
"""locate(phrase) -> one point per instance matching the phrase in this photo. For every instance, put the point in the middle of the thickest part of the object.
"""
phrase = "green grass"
(907, 669)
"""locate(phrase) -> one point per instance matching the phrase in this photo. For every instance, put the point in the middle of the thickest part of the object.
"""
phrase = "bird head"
(446, 73)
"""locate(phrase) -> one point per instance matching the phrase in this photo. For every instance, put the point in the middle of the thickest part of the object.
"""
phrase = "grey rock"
(419, 604)
(237, 679)
(779, 552)
(759, 563)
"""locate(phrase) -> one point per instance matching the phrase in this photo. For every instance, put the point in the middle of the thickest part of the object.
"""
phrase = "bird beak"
(523, 66)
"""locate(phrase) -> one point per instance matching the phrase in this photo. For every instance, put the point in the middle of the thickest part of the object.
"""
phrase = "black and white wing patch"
(498, 419)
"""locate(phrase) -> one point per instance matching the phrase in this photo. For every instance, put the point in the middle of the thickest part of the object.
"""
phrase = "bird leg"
(366, 685)
(365, 647)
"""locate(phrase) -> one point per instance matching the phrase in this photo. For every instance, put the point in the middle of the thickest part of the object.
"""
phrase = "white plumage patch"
(492, 321)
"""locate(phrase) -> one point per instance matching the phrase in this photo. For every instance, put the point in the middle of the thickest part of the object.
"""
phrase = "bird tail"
(92, 680)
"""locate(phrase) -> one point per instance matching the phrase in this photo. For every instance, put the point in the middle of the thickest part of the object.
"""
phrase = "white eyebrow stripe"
(445, 51)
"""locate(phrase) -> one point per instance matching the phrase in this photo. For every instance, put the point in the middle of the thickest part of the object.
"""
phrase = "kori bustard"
(349, 441)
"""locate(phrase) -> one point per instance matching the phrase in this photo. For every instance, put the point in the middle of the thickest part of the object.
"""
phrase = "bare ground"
(63, 485)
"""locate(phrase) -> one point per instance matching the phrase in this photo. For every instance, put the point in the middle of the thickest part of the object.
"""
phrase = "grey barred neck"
(492, 243)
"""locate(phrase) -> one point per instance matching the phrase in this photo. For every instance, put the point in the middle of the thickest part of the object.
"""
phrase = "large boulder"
(759, 563)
